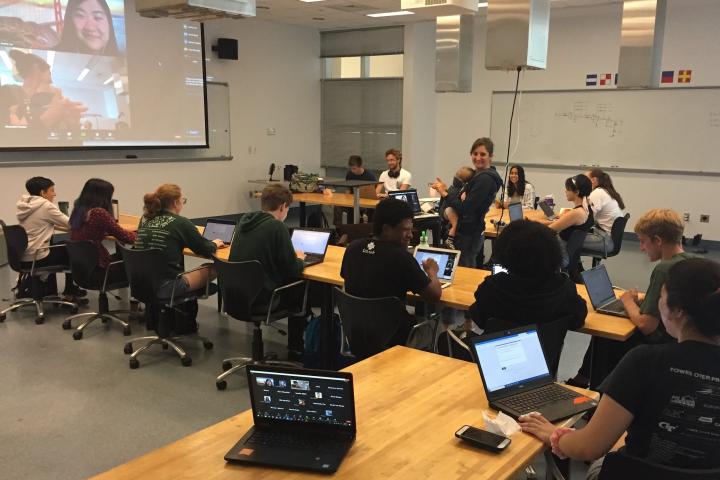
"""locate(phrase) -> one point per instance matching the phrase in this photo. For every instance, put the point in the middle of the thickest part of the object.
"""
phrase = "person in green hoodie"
(162, 227)
(263, 236)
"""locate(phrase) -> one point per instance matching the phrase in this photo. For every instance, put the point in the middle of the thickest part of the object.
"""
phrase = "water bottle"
(423, 239)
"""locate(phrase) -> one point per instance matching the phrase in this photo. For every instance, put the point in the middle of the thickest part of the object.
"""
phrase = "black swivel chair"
(88, 275)
(240, 284)
(17, 242)
(574, 247)
(369, 324)
(145, 272)
(618, 465)
(616, 234)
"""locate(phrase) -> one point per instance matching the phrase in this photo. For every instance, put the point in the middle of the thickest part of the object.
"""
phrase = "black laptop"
(516, 377)
(547, 210)
(601, 293)
(304, 419)
(410, 196)
(313, 243)
(220, 229)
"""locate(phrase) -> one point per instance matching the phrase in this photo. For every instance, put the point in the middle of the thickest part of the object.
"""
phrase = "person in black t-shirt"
(666, 396)
(383, 267)
(356, 171)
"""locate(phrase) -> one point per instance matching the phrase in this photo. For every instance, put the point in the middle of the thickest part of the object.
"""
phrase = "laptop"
(304, 419)
(411, 196)
(547, 210)
(446, 259)
(311, 242)
(515, 211)
(368, 191)
(217, 228)
(601, 293)
(517, 379)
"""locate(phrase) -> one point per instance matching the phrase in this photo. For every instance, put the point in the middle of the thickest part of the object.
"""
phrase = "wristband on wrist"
(555, 441)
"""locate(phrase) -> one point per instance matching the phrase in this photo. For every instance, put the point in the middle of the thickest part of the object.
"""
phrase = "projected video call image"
(66, 75)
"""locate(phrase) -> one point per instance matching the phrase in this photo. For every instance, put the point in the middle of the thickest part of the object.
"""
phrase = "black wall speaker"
(226, 48)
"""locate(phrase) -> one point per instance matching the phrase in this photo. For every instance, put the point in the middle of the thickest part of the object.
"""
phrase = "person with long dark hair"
(518, 189)
(663, 396)
(88, 28)
(607, 205)
(92, 219)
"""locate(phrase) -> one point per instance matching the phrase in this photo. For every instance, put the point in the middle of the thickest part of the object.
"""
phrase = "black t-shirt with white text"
(373, 269)
(673, 392)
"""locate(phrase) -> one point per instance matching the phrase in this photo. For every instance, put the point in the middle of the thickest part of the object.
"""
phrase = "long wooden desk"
(335, 200)
(493, 215)
(408, 406)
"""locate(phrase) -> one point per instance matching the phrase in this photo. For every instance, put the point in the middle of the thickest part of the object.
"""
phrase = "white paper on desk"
(501, 425)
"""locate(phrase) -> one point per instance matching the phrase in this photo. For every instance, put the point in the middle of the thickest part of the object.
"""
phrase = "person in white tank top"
(607, 205)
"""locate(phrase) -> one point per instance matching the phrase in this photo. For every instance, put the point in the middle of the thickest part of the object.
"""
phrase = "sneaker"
(450, 243)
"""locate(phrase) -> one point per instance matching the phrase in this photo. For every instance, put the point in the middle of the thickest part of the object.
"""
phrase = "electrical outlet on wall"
(686, 217)
(704, 218)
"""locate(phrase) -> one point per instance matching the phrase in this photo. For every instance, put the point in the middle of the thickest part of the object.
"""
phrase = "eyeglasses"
(184, 200)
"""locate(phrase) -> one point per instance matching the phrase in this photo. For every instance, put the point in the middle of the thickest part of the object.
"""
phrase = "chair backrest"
(574, 246)
(145, 271)
(616, 233)
(240, 284)
(16, 241)
(84, 259)
(619, 465)
(535, 202)
(350, 232)
(369, 323)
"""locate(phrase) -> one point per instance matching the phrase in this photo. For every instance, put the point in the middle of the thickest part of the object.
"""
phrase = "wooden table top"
(491, 230)
(336, 199)
(408, 404)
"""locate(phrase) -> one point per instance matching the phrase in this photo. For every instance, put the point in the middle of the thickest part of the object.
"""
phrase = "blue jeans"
(470, 247)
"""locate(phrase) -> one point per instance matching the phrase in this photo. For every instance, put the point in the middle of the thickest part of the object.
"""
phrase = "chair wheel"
(126, 331)
(186, 361)
(2, 317)
(77, 335)
(39, 320)
(221, 385)
(66, 325)
(208, 345)
(127, 349)
(226, 366)
(134, 363)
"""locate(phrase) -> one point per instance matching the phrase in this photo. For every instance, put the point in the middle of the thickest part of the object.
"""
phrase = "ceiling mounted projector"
(198, 10)
(440, 8)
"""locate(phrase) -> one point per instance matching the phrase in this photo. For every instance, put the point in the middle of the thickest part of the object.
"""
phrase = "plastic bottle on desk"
(423, 238)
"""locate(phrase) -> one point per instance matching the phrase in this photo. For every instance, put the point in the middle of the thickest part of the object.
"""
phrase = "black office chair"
(574, 247)
(16, 241)
(368, 324)
(619, 465)
(89, 275)
(240, 285)
(616, 234)
(145, 272)
(349, 232)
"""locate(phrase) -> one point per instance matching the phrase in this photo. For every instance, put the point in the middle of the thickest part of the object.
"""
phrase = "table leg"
(303, 218)
(356, 205)
(327, 327)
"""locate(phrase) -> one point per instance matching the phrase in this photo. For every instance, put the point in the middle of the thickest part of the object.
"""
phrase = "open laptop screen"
(310, 241)
(511, 360)
(598, 286)
(286, 395)
(446, 260)
(516, 211)
(219, 229)
(408, 196)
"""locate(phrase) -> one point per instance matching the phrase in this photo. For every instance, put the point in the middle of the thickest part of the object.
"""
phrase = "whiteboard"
(218, 113)
(660, 130)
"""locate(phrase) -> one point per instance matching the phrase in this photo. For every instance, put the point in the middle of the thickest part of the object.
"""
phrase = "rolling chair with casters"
(369, 324)
(574, 247)
(88, 275)
(145, 272)
(240, 284)
(616, 233)
(16, 241)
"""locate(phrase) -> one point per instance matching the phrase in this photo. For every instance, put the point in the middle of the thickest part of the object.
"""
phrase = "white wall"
(582, 40)
(274, 84)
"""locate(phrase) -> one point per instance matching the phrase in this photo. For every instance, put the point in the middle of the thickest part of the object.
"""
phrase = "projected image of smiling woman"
(88, 28)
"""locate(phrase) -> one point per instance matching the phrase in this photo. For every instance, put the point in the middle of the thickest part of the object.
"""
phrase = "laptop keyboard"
(532, 400)
(297, 441)
(615, 306)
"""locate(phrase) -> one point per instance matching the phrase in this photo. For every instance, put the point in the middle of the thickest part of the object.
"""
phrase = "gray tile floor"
(70, 409)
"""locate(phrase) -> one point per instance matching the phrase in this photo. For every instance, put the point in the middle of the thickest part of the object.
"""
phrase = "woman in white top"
(607, 205)
(518, 189)
(395, 177)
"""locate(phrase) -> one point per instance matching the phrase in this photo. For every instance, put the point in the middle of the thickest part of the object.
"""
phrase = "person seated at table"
(607, 205)
(39, 216)
(92, 219)
(533, 290)
(356, 171)
(518, 189)
(263, 236)
(454, 195)
(579, 217)
(395, 177)
(658, 393)
(382, 266)
(162, 227)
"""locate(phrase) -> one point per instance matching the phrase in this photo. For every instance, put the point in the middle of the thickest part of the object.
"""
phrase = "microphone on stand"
(271, 170)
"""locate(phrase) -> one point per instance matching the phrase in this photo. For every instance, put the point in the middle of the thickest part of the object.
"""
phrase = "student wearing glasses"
(162, 227)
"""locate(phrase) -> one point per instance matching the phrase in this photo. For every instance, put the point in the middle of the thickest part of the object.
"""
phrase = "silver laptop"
(410, 196)
(217, 228)
(446, 259)
(547, 210)
(313, 243)
(601, 293)
(515, 211)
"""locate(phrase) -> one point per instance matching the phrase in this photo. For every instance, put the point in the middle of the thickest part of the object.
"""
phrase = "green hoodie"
(262, 237)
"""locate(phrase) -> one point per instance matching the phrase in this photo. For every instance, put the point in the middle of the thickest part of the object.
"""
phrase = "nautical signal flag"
(684, 76)
(668, 76)
(606, 79)
(602, 79)
(591, 80)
